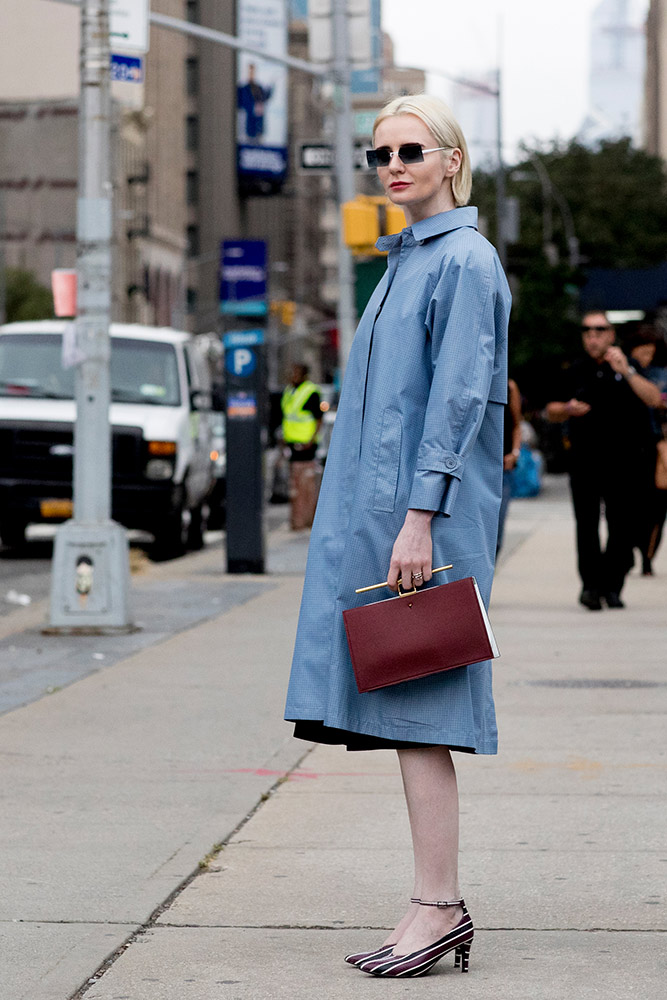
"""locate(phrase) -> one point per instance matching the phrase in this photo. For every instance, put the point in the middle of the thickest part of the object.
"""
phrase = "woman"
(413, 479)
(512, 450)
(647, 350)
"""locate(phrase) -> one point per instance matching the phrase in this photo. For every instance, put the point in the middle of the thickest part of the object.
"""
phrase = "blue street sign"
(243, 277)
(126, 69)
(240, 361)
(243, 338)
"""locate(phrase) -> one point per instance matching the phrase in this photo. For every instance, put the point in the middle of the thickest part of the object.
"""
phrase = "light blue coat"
(419, 424)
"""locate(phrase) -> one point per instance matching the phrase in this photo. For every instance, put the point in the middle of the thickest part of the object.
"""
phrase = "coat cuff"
(433, 491)
(436, 460)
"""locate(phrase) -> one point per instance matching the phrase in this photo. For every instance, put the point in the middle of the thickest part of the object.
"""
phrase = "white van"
(160, 415)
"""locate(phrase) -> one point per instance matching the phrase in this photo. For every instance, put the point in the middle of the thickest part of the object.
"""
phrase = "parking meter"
(244, 405)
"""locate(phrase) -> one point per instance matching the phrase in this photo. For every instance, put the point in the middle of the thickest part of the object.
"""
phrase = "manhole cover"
(584, 682)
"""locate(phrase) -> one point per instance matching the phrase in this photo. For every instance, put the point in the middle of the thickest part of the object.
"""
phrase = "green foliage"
(617, 196)
(26, 299)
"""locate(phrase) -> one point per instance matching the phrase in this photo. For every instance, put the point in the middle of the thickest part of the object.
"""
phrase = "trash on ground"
(13, 597)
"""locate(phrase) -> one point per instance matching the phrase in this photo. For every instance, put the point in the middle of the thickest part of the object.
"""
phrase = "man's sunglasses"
(409, 152)
(585, 327)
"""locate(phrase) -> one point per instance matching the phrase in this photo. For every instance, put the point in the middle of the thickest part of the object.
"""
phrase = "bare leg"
(431, 794)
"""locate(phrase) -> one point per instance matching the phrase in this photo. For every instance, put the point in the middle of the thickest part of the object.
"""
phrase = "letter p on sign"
(241, 361)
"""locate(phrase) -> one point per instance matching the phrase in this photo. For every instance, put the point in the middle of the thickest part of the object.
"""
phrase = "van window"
(142, 371)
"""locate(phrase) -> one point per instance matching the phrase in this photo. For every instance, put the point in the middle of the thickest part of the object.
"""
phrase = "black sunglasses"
(600, 329)
(409, 152)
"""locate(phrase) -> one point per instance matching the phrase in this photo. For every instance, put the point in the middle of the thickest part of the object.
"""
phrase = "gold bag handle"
(402, 593)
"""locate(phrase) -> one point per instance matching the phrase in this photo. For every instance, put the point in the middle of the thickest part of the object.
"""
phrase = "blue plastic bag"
(526, 475)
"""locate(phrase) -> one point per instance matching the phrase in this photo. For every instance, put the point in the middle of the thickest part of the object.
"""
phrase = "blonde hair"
(444, 127)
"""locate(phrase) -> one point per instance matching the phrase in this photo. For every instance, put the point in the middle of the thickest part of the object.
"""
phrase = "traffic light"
(287, 312)
(394, 219)
(360, 224)
(366, 218)
(284, 309)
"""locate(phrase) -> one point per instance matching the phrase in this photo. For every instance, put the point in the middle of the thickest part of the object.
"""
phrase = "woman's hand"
(413, 551)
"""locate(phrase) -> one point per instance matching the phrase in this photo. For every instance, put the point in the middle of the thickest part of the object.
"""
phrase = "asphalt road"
(26, 572)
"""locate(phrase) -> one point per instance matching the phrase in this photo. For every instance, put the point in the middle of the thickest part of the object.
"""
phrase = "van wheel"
(196, 528)
(171, 537)
(13, 534)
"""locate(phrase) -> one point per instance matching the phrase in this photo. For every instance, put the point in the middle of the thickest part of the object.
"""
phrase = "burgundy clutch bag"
(419, 633)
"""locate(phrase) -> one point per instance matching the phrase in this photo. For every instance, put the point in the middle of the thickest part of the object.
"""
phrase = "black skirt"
(314, 731)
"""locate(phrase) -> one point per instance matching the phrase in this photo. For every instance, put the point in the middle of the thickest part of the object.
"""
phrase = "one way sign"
(128, 25)
(318, 157)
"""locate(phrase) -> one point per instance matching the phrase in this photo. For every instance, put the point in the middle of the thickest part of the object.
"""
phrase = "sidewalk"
(118, 785)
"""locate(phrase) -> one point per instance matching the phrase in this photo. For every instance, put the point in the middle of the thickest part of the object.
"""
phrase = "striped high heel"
(418, 963)
(365, 956)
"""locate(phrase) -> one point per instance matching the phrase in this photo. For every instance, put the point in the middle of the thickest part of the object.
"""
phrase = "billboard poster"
(243, 278)
(261, 96)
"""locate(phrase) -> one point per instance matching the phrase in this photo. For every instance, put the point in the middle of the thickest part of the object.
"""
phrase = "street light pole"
(345, 183)
(501, 232)
(90, 577)
(564, 208)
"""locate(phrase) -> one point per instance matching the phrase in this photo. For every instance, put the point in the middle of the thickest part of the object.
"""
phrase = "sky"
(543, 46)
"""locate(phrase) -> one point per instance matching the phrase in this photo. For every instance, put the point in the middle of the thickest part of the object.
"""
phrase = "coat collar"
(435, 225)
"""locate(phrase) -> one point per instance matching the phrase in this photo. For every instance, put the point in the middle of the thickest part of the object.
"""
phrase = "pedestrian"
(606, 404)
(302, 418)
(512, 450)
(414, 474)
(647, 351)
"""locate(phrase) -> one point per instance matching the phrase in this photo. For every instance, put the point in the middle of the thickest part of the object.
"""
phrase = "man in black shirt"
(606, 401)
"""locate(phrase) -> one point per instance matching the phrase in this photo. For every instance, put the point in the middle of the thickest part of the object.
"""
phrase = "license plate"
(56, 508)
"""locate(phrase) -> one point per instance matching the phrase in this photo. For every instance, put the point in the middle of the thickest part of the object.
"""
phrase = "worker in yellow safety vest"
(302, 418)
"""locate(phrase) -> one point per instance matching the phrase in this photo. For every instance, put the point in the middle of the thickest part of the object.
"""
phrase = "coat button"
(450, 463)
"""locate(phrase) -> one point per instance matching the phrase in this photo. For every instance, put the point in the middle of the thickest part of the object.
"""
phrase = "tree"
(26, 299)
(617, 196)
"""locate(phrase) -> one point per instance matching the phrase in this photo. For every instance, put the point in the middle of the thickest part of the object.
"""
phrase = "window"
(192, 187)
(192, 133)
(142, 371)
(191, 301)
(192, 76)
(192, 10)
(192, 233)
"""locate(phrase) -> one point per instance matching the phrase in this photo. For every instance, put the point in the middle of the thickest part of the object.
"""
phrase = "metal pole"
(345, 183)
(90, 582)
(564, 208)
(3, 271)
(550, 250)
(92, 445)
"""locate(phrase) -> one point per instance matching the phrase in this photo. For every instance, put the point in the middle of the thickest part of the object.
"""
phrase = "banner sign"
(369, 79)
(261, 96)
(243, 278)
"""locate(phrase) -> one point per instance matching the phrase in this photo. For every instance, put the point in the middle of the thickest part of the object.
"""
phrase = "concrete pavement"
(116, 787)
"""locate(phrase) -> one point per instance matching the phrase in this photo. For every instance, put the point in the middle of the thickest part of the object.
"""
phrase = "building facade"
(655, 89)
(616, 81)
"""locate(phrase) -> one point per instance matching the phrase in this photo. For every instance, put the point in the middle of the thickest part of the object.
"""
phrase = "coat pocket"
(388, 461)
